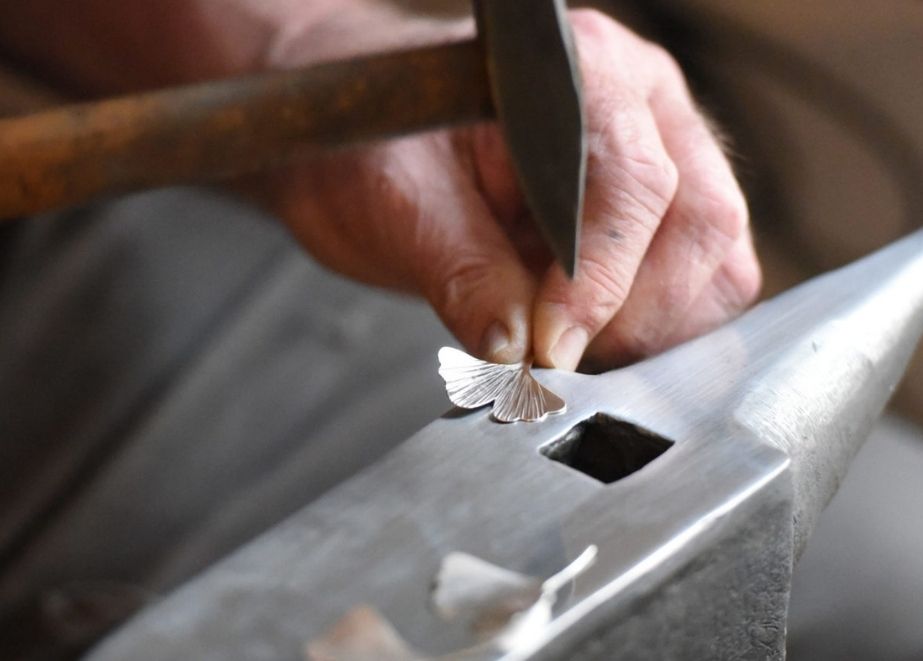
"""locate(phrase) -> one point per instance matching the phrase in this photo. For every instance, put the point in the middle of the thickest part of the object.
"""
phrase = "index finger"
(631, 182)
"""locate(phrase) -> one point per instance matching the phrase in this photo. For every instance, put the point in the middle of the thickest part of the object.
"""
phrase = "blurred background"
(822, 102)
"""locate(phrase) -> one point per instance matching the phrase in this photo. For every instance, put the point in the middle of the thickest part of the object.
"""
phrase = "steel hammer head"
(535, 83)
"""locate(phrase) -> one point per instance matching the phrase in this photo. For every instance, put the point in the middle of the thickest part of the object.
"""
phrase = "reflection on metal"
(528, 627)
(695, 548)
(505, 610)
(481, 595)
(363, 634)
(516, 395)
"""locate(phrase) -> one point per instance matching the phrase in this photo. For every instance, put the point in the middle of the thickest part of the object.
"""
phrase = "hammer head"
(535, 84)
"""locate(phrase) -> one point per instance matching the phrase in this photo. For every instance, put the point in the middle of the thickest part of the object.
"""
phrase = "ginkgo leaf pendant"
(516, 395)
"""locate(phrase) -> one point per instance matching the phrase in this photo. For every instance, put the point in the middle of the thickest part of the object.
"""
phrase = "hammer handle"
(232, 127)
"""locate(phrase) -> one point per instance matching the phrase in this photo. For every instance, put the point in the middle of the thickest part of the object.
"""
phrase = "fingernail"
(495, 343)
(569, 348)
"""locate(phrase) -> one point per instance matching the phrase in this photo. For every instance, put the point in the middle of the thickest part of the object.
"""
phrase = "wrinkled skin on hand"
(665, 254)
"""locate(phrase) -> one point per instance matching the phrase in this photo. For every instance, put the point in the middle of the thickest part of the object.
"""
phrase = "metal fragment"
(516, 395)
(363, 634)
(482, 595)
(527, 628)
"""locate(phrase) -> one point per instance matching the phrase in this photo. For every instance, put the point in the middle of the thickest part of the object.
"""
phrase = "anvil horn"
(809, 371)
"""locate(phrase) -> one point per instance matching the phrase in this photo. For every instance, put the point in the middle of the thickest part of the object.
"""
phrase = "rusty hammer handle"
(232, 127)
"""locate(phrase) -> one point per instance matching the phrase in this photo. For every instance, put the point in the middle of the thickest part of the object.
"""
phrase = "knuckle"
(632, 341)
(606, 288)
(393, 186)
(726, 212)
(457, 280)
(591, 22)
(750, 282)
(639, 342)
(600, 27)
(663, 178)
(646, 333)
(651, 179)
(664, 63)
(739, 282)
(674, 298)
(624, 136)
(388, 188)
(635, 167)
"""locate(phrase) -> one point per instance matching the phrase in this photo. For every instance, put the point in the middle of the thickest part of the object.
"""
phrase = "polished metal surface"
(515, 394)
(695, 546)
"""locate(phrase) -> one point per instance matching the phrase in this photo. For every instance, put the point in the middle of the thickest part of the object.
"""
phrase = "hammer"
(520, 69)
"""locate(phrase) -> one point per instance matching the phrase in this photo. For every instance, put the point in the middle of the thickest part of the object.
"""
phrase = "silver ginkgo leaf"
(516, 395)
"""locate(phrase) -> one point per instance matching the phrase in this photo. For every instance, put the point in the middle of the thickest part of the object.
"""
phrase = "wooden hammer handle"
(232, 127)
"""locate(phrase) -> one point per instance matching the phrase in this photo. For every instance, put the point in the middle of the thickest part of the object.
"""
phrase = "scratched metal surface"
(765, 414)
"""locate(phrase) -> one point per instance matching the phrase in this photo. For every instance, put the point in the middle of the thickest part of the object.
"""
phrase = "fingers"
(408, 215)
(666, 250)
(733, 287)
(707, 218)
(467, 268)
(473, 278)
(631, 182)
(495, 178)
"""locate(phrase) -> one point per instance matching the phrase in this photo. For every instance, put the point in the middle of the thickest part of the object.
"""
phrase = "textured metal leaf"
(516, 395)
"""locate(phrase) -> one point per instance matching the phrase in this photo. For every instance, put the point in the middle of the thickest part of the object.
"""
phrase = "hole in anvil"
(606, 448)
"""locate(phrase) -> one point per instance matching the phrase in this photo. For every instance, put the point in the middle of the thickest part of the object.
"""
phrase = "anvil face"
(737, 441)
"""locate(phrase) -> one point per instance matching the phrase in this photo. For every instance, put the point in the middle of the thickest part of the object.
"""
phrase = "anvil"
(697, 474)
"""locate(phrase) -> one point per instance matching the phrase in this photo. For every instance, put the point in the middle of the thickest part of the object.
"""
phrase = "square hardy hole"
(606, 449)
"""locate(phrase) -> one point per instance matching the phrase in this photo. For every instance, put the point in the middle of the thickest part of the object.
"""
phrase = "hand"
(665, 253)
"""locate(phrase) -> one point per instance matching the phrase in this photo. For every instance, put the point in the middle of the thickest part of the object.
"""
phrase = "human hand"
(665, 252)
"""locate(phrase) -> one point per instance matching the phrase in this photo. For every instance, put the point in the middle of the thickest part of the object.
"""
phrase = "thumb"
(472, 276)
